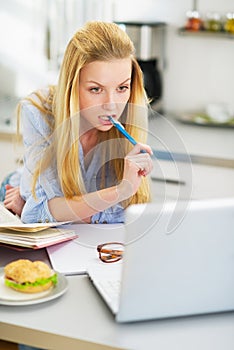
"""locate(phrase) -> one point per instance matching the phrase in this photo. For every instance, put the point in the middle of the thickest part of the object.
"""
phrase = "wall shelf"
(205, 34)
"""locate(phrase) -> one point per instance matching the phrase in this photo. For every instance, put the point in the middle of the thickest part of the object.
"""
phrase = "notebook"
(178, 261)
(17, 235)
(12, 222)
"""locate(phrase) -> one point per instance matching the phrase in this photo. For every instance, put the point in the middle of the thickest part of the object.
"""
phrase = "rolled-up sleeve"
(111, 215)
(36, 210)
(36, 207)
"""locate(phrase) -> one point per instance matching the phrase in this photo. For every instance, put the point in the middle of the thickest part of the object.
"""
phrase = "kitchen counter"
(7, 134)
(205, 144)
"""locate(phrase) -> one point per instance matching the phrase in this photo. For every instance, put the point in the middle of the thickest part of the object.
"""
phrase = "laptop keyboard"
(110, 289)
(107, 280)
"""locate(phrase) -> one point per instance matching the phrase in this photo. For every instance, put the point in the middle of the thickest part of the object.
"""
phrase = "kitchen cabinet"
(184, 181)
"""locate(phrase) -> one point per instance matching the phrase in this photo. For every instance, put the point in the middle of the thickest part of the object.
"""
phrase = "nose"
(109, 104)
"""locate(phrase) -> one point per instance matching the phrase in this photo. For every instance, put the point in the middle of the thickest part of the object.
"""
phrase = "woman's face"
(104, 90)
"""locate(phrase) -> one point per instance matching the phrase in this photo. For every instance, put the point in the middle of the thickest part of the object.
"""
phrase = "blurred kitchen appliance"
(148, 39)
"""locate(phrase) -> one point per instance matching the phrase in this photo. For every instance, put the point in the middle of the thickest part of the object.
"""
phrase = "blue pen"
(121, 128)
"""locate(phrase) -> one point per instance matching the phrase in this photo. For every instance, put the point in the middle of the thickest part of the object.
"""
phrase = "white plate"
(10, 296)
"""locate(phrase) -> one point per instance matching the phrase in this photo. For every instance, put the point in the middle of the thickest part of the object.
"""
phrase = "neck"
(89, 140)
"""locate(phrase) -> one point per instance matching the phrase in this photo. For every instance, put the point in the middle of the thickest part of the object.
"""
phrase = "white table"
(80, 320)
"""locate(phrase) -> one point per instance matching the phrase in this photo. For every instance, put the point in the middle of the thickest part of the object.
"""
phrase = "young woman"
(77, 165)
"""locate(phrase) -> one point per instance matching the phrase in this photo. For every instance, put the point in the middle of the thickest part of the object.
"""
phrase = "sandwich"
(29, 277)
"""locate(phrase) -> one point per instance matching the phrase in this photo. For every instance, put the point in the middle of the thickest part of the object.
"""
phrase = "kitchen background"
(195, 70)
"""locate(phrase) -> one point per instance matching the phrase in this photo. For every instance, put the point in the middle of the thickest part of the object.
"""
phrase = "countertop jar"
(229, 23)
(194, 21)
(213, 22)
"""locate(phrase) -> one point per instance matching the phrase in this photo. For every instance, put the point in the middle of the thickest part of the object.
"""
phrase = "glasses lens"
(111, 252)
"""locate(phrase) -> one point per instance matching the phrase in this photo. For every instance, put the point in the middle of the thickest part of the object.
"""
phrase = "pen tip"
(110, 118)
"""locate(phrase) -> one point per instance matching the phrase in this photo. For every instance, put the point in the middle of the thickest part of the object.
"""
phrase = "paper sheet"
(34, 227)
(12, 222)
(72, 258)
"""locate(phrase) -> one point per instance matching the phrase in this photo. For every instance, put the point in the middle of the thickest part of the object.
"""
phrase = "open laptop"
(178, 260)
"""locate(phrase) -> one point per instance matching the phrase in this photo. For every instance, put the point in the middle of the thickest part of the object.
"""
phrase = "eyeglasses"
(110, 252)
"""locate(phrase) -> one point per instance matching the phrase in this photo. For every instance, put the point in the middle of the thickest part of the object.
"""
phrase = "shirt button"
(39, 221)
(96, 221)
(104, 222)
(46, 220)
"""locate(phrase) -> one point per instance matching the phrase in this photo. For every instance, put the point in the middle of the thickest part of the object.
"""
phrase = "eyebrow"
(95, 82)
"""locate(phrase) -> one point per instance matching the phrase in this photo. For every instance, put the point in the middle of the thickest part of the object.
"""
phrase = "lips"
(104, 119)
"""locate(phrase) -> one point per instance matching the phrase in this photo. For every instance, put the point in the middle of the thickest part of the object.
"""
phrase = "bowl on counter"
(215, 114)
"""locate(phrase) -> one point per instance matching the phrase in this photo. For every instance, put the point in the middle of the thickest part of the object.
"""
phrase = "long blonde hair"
(96, 41)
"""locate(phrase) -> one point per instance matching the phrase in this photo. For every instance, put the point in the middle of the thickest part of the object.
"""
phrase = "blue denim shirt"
(36, 138)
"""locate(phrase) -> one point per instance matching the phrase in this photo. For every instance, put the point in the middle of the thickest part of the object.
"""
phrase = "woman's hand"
(136, 165)
(13, 200)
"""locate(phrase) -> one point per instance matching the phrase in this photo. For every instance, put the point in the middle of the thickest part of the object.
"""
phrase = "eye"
(95, 90)
(123, 88)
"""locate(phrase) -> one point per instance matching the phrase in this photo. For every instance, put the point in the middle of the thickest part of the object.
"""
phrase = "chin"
(104, 127)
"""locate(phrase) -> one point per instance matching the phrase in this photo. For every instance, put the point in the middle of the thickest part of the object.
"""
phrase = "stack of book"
(14, 233)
